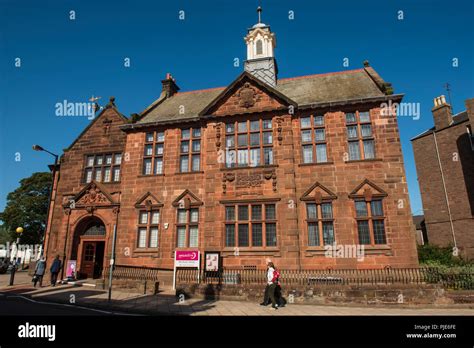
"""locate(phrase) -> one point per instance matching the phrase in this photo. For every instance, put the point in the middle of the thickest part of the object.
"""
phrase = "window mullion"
(369, 219)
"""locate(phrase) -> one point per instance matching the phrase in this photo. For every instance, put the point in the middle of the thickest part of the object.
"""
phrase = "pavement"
(82, 300)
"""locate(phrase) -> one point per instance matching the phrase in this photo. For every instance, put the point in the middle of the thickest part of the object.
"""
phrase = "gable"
(186, 200)
(318, 193)
(367, 189)
(247, 95)
(103, 130)
(148, 200)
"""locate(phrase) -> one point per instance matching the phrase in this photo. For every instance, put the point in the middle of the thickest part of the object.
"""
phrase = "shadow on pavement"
(159, 304)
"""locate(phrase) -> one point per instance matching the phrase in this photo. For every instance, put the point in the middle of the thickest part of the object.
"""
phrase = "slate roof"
(457, 119)
(321, 88)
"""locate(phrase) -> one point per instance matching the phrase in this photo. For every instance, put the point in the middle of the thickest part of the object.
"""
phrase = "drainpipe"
(445, 191)
(65, 242)
(114, 241)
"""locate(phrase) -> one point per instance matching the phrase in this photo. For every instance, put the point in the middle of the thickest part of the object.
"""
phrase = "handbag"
(35, 278)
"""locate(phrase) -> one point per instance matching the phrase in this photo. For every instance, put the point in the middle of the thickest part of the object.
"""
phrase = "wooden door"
(88, 258)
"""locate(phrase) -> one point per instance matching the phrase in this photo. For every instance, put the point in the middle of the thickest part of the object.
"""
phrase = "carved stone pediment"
(91, 195)
(367, 190)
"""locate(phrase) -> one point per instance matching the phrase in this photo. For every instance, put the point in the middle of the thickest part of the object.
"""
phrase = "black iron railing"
(423, 275)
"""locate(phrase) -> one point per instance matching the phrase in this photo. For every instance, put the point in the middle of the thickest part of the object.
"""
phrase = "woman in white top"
(271, 287)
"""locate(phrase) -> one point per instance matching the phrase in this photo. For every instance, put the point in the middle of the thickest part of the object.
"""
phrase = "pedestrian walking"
(55, 268)
(40, 269)
(272, 282)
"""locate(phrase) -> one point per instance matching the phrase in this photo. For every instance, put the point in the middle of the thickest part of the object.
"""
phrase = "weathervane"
(95, 105)
(447, 86)
(259, 11)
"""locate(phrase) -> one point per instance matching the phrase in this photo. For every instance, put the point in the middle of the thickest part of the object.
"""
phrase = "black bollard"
(12, 275)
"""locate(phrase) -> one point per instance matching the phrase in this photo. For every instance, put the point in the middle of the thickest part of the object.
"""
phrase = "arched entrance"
(89, 247)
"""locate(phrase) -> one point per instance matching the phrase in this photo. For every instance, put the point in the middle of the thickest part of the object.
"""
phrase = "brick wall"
(457, 161)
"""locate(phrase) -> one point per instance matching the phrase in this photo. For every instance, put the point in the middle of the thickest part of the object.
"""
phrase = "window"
(190, 158)
(360, 136)
(187, 228)
(259, 47)
(249, 143)
(250, 225)
(313, 139)
(148, 226)
(320, 221)
(370, 222)
(154, 151)
(103, 168)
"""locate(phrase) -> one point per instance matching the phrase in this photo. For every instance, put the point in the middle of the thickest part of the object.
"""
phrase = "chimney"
(169, 86)
(442, 114)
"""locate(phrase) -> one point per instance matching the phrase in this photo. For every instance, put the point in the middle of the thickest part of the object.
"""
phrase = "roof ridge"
(201, 90)
(284, 79)
(323, 74)
(459, 113)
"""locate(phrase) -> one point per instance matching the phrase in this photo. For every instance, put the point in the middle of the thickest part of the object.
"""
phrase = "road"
(21, 306)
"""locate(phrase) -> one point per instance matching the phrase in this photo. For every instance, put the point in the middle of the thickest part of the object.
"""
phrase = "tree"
(27, 207)
(4, 235)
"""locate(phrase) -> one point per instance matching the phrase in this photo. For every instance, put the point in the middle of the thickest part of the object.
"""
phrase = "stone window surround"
(370, 219)
(248, 132)
(249, 251)
(148, 226)
(360, 139)
(320, 220)
(148, 206)
(313, 143)
(112, 166)
(190, 153)
(187, 225)
(154, 155)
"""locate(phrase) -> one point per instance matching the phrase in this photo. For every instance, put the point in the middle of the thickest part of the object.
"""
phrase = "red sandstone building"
(444, 157)
(263, 168)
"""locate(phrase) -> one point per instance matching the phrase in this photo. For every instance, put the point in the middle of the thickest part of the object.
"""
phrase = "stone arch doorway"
(89, 247)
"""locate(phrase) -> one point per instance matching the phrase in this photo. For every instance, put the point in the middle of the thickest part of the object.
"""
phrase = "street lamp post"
(56, 157)
(19, 230)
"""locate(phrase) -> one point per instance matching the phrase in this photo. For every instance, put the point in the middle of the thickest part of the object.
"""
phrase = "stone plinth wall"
(396, 294)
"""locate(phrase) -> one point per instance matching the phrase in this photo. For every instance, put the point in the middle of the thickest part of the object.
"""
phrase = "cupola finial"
(259, 11)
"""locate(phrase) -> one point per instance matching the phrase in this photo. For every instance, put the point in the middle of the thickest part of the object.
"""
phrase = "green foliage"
(27, 207)
(4, 235)
(432, 255)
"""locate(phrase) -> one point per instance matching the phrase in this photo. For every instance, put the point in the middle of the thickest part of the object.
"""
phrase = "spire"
(261, 43)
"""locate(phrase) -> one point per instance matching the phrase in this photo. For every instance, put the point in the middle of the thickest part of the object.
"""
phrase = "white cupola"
(261, 43)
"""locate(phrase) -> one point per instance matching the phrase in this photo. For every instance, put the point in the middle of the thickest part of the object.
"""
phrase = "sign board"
(71, 269)
(186, 258)
(212, 262)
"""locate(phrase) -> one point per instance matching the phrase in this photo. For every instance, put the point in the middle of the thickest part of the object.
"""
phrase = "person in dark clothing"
(39, 272)
(55, 268)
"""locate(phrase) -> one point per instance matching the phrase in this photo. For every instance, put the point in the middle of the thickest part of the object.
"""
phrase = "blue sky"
(63, 59)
